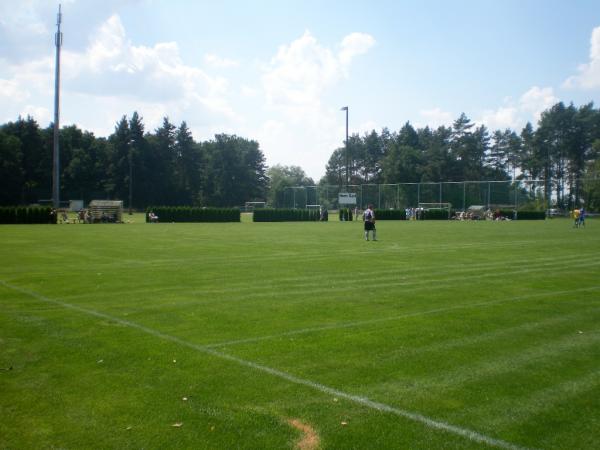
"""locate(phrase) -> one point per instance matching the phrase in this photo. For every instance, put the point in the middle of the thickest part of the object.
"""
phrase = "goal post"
(443, 206)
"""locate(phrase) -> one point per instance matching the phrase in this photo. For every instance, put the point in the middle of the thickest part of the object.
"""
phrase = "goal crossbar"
(435, 205)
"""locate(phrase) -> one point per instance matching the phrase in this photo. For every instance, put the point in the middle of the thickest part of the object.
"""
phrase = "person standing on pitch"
(369, 220)
(575, 215)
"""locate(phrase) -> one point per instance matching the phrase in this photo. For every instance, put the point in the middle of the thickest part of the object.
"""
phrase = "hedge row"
(390, 214)
(22, 214)
(285, 215)
(346, 215)
(530, 215)
(521, 215)
(194, 214)
(435, 214)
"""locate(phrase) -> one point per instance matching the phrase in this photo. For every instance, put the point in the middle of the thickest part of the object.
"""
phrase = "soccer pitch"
(280, 335)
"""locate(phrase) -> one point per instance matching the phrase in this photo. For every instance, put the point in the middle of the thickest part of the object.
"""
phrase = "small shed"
(110, 211)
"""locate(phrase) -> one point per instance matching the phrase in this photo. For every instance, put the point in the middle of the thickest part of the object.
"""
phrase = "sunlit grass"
(216, 335)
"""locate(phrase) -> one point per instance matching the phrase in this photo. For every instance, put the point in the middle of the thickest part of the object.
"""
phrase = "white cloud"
(42, 115)
(589, 74)
(12, 90)
(114, 76)
(248, 91)
(353, 45)
(218, 62)
(515, 114)
(305, 132)
(536, 100)
(502, 118)
(301, 71)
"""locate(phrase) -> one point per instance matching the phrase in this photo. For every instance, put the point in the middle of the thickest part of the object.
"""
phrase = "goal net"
(443, 206)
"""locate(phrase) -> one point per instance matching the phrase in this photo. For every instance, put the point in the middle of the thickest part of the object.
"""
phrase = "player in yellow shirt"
(576, 213)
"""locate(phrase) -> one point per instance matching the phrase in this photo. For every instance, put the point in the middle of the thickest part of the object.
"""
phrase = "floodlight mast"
(345, 108)
(56, 155)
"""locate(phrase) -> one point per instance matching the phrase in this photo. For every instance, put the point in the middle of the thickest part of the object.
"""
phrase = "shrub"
(24, 215)
(531, 215)
(390, 214)
(194, 214)
(435, 214)
(285, 215)
(345, 214)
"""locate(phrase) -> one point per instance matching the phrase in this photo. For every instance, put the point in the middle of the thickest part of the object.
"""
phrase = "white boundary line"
(364, 401)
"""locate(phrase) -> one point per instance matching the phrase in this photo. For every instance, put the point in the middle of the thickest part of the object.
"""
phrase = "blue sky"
(279, 71)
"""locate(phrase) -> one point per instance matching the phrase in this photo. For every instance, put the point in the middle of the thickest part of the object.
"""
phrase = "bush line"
(285, 215)
(194, 214)
(27, 215)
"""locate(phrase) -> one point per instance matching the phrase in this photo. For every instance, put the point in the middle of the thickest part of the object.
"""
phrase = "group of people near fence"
(483, 215)
(84, 216)
(414, 213)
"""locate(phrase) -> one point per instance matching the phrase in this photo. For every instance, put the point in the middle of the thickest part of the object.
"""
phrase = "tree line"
(562, 151)
(167, 167)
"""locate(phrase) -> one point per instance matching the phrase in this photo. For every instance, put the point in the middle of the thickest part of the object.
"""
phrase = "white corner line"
(364, 401)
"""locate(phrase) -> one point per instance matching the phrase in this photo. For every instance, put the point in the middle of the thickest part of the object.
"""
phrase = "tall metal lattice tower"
(56, 155)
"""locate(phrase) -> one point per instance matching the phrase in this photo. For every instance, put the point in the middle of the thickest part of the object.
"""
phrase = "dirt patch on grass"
(310, 439)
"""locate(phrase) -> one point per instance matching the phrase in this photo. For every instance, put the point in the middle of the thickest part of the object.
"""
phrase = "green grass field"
(441, 335)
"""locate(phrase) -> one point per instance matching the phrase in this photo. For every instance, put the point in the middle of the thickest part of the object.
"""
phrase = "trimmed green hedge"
(23, 215)
(506, 213)
(285, 215)
(345, 215)
(435, 214)
(523, 215)
(194, 214)
(531, 215)
(390, 214)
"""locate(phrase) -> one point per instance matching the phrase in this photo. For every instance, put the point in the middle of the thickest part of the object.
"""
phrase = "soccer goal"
(317, 207)
(443, 206)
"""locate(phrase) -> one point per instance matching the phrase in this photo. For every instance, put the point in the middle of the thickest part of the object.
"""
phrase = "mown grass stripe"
(364, 401)
(509, 362)
(539, 401)
(360, 323)
(408, 286)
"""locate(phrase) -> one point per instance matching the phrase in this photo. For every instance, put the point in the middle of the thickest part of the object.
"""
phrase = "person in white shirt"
(369, 220)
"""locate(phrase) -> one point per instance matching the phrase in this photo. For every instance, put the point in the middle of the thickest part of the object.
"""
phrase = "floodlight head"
(344, 108)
